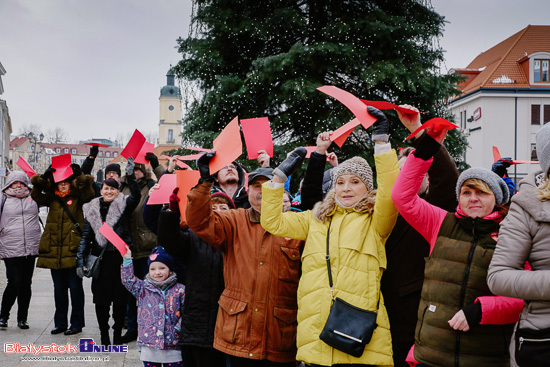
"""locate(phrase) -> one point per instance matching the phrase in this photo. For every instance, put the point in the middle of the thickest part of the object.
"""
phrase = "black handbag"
(348, 328)
(532, 347)
(93, 263)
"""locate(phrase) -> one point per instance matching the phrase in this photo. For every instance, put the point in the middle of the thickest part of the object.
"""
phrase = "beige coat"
(525, 236)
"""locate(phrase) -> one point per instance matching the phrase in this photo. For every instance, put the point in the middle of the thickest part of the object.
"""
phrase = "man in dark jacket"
(406, 249)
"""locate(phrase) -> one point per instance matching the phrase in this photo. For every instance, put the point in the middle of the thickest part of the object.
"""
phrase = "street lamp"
(34, 140)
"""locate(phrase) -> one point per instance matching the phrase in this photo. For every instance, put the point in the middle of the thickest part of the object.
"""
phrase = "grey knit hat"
(543, 147)
(354, 166)
(496, 184)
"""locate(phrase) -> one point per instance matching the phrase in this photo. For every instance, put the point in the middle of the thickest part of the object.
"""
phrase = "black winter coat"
(108, 287)
(204, 283)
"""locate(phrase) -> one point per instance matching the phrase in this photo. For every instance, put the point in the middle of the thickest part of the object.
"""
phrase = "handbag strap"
(69, 214)
(330, 272)
(102, 251)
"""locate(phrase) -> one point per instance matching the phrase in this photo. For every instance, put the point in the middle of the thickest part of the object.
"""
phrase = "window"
(73, 151)
(100, 154)
(58, 150)
(541, 70)
(533, 152)
(65, 150)
(107, 154)
(115, 154)
(170, 135)
(535, 114)
(546, 113)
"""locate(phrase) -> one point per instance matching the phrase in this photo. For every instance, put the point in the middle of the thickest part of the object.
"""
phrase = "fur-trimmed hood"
(93, 216)
(326, 208)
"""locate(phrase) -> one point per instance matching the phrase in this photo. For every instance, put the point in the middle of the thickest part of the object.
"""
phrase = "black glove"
(152, 158)
(48, 173)
(130, 166)
(381, 127)
(80, 272)
(291, 163)
(500, 167)
(203, 166)
(473, 314)
(94, 149)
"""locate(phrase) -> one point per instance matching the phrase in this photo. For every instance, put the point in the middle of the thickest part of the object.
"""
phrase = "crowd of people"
(416, 265)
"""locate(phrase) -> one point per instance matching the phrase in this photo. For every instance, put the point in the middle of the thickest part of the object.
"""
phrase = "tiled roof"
(501, 62)
(17, 142)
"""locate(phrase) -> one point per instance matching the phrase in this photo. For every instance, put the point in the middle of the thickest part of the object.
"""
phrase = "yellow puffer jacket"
(357, 258)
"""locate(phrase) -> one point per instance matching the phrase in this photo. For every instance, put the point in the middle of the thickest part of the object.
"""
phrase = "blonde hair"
(544, 189)
(476, 183)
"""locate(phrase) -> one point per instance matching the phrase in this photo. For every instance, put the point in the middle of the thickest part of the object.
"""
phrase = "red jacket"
(257, 314)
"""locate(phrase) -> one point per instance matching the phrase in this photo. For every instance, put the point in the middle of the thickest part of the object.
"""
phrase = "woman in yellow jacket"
(357, 221)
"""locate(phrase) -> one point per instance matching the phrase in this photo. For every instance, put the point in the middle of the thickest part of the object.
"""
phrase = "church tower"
(170, 124)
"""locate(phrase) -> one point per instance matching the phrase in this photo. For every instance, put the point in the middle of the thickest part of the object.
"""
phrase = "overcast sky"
(95, 68)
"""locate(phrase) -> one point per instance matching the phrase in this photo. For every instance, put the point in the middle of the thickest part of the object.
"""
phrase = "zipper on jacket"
(463, 289)
(522, 339)
(23, 225)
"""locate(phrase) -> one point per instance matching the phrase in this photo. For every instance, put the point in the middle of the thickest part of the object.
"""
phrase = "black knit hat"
(159, 254)
(113, 167)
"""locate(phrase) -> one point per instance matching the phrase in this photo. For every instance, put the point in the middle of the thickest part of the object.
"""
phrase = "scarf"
(494, 216)
(62, 194)
(17, 193)
(164, 284)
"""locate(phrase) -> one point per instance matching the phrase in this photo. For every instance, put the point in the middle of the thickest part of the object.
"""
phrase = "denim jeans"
(19, 271)
(66, 281)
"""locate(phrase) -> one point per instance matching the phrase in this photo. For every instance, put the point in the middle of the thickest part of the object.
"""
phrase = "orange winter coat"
(257, 313)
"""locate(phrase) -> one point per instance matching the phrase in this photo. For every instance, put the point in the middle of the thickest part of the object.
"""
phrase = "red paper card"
(97, 144)
(185, 181)
(62, 165)
(257, 136)
(26, 167)
(354, 104)
(167, 184)
(383, 105)
(178, 163)
(112, 237)
(497, 156)
(310, 150)
(435, 122)
(340, 135)
(192, 157)
(146, 148)
(134, 145)
(228, 146)
(199, 149)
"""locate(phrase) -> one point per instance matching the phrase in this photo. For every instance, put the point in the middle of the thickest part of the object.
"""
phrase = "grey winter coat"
(525, 236)
(19, 227)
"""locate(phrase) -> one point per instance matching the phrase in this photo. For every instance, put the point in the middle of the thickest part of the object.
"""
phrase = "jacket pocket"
(286, 324)
(289, 264)
(420, 324)
(232, 318)
(74, 240)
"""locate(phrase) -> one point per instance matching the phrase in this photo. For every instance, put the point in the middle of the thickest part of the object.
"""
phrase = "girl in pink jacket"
(460, 322)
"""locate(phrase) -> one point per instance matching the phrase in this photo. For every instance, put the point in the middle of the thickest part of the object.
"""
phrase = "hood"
(527, 197)
(242, 178)
(17, 176)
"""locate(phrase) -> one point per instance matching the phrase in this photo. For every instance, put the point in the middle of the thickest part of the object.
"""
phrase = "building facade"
(5, 131)
(506, 99)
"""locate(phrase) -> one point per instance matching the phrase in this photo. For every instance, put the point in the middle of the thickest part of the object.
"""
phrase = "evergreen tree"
(256, 58)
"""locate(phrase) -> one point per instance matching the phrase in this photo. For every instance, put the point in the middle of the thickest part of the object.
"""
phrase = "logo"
(153, 257)
(69, 202)
(88, 346)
